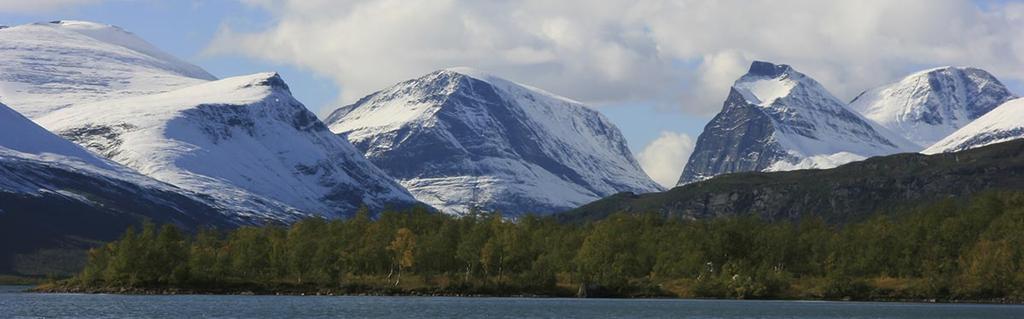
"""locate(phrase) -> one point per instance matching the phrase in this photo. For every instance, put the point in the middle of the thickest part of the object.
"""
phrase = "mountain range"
(100, 130)
(776, 119)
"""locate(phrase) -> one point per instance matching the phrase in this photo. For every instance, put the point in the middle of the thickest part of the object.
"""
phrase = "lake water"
(16, 304)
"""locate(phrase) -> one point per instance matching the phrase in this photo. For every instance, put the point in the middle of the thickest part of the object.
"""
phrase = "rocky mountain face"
(776, 118)
(927, 106)
(460, 139)
(843, 194)
(1004, 123)
(51, 65)
(244, 141)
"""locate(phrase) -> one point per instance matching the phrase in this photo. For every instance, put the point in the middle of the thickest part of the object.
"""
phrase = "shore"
(440, 292)
(353, 290)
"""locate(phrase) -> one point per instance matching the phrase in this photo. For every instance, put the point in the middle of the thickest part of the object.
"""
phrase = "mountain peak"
(939, 69)
(768, 69)
(470, 72)
(767, 82)
(776, 118)
(50, 65)
(272, 80)
(498, 82)
(244, 140)
(461, 139)
(82, 24)
(926, 106)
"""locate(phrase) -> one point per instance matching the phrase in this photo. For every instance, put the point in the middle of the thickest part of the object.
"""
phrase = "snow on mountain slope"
(929, 105)
(48, 66)
(461, 139)
(776, 118)
(1004, 123)
(21, 135)
(245, 141)
(38, 167)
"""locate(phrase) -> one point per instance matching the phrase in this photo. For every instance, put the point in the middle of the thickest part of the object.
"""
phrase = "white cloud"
(664, 158)
(37, 6)
(678, 53)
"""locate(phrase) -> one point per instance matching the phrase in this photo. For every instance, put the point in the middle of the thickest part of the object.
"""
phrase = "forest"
(948, 251)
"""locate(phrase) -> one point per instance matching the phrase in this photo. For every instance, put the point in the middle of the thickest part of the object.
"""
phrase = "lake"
(17, 304)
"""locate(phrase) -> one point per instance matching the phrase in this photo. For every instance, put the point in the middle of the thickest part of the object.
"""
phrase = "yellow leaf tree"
(403, 248)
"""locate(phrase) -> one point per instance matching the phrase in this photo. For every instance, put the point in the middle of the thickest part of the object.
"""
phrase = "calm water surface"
(15, 304)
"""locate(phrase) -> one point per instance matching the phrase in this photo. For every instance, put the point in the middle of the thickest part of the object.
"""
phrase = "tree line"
(944, 250)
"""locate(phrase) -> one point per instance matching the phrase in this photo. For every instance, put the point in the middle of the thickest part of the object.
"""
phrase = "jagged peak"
(268, 79)
(238, 90)
(767, 82)
(768, 69)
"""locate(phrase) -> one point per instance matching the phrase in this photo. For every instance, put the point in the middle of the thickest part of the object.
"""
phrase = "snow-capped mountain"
(461, 139)
(929, 105)
(776, 118)
(1004, 123)
(243, 141)
(48, 66)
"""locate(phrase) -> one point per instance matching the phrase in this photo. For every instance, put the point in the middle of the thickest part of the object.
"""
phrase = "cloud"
(664, 158)
(674, 53)
(39, 6)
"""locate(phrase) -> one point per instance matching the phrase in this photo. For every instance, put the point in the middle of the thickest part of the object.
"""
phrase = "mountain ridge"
(243, 140)
(1001, 124)
(51, 65)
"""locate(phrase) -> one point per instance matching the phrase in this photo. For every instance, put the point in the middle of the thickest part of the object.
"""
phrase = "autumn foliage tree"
(403, 247)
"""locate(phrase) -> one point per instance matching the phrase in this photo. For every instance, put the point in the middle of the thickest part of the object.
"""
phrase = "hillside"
(842, 194)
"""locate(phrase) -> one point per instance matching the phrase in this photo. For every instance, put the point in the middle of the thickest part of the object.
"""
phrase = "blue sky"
(652, 71)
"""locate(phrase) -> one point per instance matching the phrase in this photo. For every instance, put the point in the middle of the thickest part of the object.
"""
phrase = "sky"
(658, 69)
